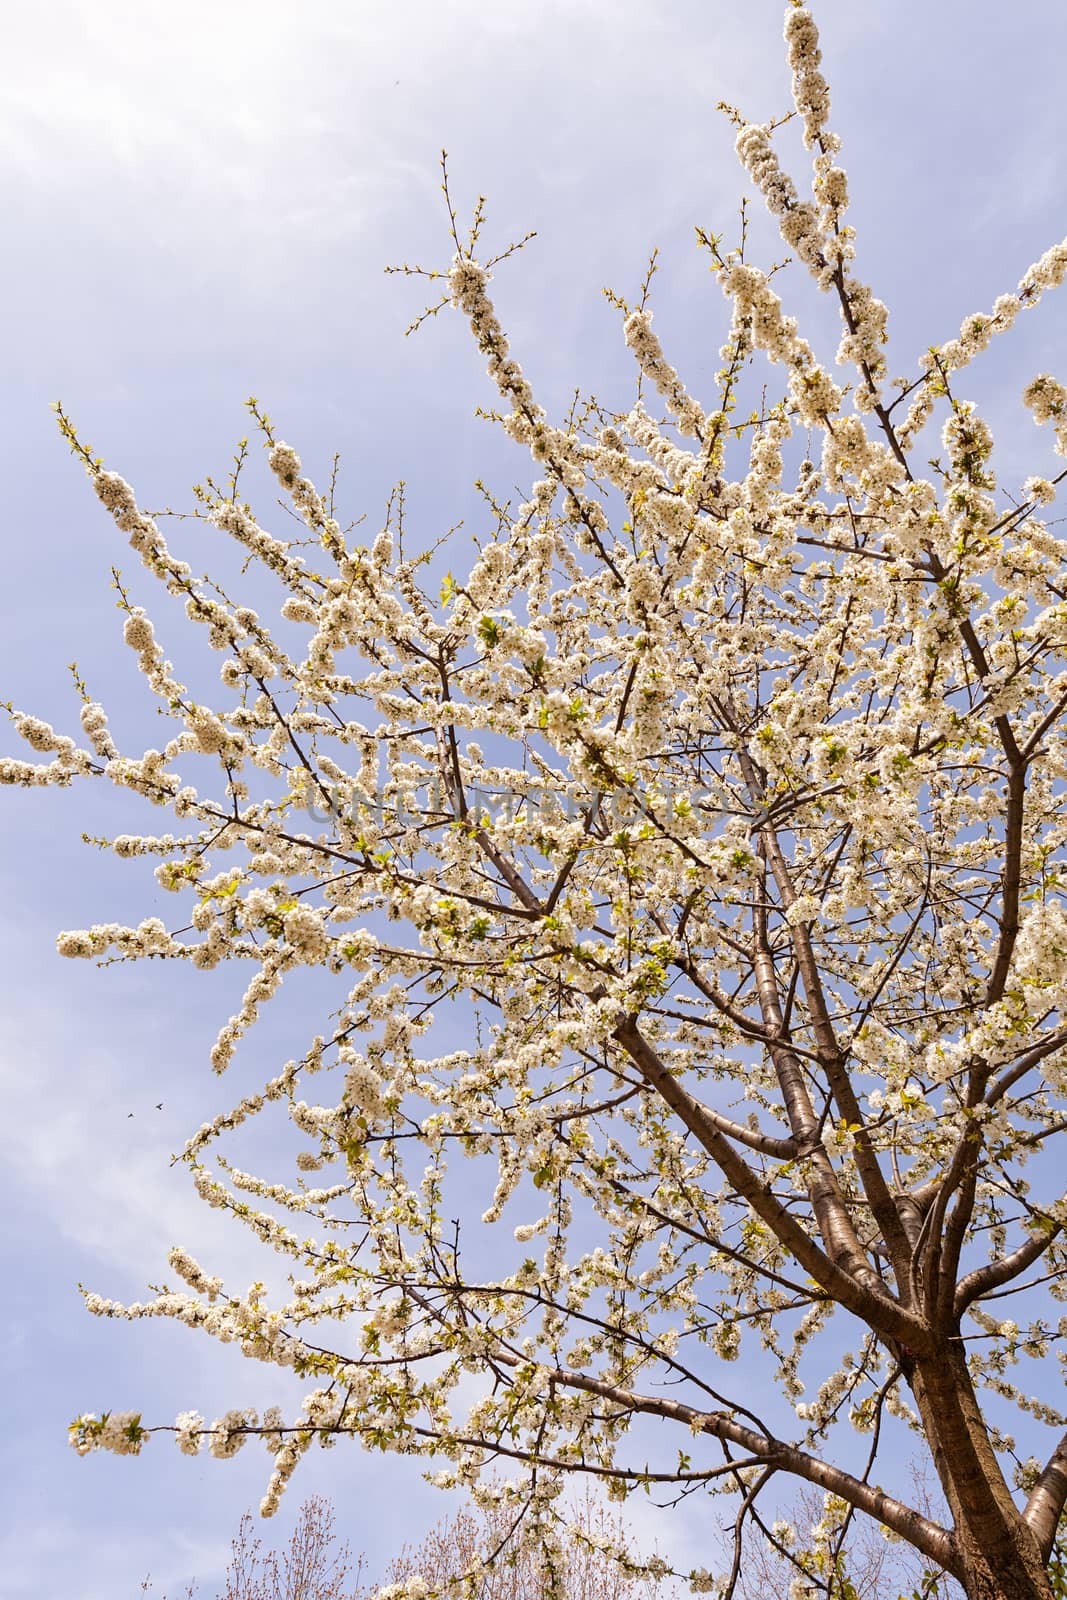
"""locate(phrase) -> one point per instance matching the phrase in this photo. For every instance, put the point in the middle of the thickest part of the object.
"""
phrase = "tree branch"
(1045, 1506)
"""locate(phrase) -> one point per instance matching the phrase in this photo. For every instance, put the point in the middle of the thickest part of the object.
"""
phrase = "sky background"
(199, 203)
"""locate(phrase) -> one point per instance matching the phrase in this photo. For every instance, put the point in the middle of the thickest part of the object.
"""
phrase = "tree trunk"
(998, 1553)
(1025, 1579)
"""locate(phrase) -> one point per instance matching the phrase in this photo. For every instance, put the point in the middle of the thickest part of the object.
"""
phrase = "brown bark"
(998, 1554)
(1024, 1578)
(1047, 1499)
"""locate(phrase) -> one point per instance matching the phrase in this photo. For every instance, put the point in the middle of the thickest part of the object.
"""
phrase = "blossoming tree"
(720, 800)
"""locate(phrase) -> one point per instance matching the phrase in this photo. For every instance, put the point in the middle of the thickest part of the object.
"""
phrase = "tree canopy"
(689, 870)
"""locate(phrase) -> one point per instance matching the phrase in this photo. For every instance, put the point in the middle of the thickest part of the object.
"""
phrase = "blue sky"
(200, 201)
